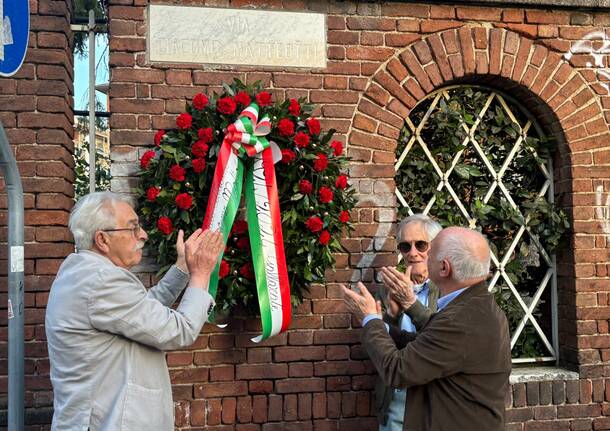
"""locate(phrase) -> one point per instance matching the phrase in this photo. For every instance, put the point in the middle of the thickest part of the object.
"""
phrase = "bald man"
(457, 367)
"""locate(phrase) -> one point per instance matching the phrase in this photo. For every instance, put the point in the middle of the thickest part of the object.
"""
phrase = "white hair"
(431, 227)
(466, 262)
(93, 212)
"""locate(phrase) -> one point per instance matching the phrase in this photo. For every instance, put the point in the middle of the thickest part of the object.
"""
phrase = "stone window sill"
(541, 374)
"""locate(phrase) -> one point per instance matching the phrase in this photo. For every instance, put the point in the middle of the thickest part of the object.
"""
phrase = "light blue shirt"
(443, 301)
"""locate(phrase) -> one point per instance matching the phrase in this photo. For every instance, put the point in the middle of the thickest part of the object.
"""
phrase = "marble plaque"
(191, 34)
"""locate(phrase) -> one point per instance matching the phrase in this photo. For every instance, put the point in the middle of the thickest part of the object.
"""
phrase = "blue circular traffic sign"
(14, 34)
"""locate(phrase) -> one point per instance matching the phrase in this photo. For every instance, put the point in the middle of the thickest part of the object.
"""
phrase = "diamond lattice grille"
(470, 156)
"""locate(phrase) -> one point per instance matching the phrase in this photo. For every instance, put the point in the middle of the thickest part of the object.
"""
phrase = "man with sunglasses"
(457, 367)
(106, 333)
(414, 236)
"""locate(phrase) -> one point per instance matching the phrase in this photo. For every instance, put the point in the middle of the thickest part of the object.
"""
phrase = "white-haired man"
(414, 235)
(106, 334)
(457, 367)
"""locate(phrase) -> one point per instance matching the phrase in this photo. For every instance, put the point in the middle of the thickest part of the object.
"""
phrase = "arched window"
(472, 156)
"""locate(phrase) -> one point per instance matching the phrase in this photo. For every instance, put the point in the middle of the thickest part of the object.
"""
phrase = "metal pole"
(92, 148)
(15, 284)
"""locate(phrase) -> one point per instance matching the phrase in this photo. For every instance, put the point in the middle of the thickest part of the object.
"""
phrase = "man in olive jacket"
(457, 368)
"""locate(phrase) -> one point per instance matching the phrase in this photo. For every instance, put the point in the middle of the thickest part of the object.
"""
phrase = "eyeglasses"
(405, 246)
(134, 230)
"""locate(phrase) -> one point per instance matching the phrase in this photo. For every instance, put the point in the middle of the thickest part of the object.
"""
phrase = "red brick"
(221, 389)
(290, 407)
(366, 23)
(299, 385)
(410, 61)
(343, 37)
(368, 53)
(442, 11)
(467, 50)
(495, 51)
(438, 49)
(479, 13)
(438, 25)
(546, 17)
(512, 15)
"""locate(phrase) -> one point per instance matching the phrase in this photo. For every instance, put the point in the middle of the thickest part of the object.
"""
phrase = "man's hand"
(202, 250)
(392, 307)
(361, 304)
(400, 286)
(181, 260)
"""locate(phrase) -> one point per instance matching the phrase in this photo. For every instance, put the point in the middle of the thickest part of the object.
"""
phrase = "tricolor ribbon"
(243, 139)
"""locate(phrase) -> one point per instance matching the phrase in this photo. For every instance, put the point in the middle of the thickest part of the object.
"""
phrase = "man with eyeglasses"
(413, 235)
(107, 334)
(457, 368)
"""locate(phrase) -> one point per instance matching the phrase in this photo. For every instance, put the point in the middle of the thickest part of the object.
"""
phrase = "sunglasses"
(421, 246)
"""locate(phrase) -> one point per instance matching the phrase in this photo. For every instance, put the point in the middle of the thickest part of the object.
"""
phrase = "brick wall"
(382, 59)
(35, 110)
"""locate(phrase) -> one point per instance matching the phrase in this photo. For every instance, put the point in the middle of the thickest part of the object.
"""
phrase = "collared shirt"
(443, 301)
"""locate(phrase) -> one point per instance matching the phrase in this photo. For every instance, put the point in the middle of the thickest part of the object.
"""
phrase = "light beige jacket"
(106, 335)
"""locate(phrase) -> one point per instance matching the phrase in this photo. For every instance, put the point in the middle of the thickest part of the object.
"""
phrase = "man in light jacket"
(107, 334)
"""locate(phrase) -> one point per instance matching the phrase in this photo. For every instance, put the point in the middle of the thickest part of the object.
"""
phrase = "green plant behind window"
(494, 161)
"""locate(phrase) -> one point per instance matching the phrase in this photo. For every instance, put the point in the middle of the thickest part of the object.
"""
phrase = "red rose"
(326, 195)
(200, 101)
(199, 149)
(341, 182)
(224, 269)
(314, 224)
(305, 187)
(198, 165)
(176, 173)
(286, 127)
(302, 140)
(263, 98)
(324, 237)
(320, 163)
(247, 271)
(243, 243)
(226, 105)
(313, 125)
(146, 158)
(158, 136)
(242, 98)
(344, 216)
(294, 108)
(240, 227)
(152, 193)
(288, 156)
(206, 135)
(184, 121)
(184, 201)
(164, 224)
(337, 146)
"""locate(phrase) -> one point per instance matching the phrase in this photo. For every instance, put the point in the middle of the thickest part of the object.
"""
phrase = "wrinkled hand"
(180, 251)
(399, 285)
(360, 304)
(202, 251)
(392, 307)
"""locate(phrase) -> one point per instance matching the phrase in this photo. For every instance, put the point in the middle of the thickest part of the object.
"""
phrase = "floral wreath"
(315, 198)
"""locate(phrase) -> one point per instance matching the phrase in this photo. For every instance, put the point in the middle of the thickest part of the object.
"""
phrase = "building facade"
(383, 58)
